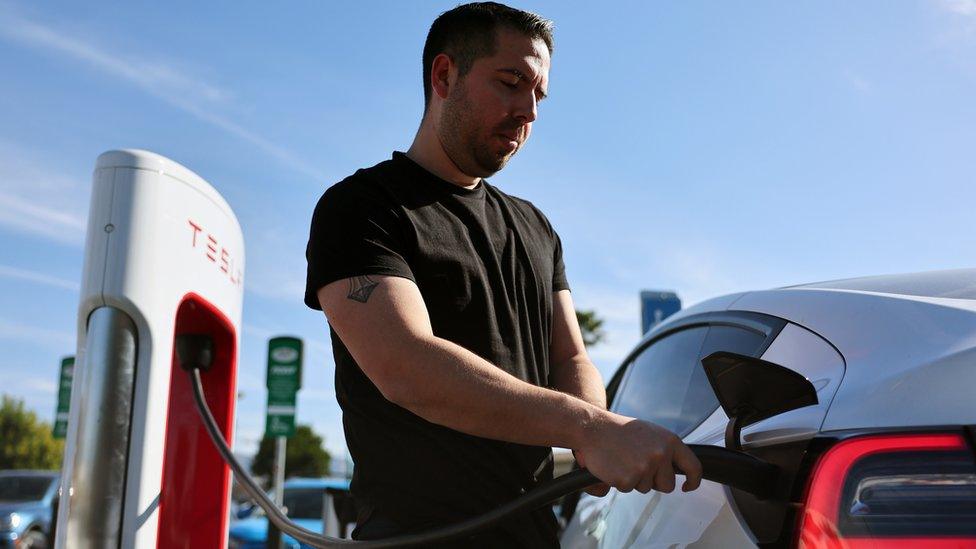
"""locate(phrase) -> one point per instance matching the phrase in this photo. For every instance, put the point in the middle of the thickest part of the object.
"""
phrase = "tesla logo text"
(217, 254)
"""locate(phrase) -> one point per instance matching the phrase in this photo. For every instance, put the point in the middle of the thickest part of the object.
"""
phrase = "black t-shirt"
(486, 264)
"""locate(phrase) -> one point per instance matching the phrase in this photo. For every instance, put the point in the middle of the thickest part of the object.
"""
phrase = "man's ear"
(443, 74)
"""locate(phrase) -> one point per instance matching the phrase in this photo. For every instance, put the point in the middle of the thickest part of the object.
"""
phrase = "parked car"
(27, 503)
(885, 458)
(303, 500)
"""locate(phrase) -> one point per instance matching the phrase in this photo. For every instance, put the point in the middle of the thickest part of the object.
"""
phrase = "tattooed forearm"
(360, 287)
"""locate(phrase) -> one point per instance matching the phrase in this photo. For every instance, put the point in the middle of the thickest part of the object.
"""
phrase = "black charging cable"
(195, 353)
(739, 470)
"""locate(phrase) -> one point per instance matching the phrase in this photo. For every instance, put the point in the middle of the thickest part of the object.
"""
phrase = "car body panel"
(812, 356)
(707, 516)
(720, 303)
(888, 385)
(877, 360)
(950, 283)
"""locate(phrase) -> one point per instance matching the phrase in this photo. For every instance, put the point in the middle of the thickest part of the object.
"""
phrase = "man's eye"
(509, 84)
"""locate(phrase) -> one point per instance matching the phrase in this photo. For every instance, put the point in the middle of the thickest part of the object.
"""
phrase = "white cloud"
(327, 395)
(39, 393)
(246, 441)
(276, 267)
(37, 200)
(160, 80)
(257, 331)
(858, 82)
(275, 283)
(695, 270)
(25, 332)
(319, 346)
(156, 78)
(249, 383)
(41, 385)
(26, 216)
(698, 273)
(614, 304)
(963, 27)
(619, 307)
(965, 8)
(38, 278)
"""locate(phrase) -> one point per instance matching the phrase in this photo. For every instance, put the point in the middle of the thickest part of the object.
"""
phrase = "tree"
(25, 442)
(304, 456)
(590, 325)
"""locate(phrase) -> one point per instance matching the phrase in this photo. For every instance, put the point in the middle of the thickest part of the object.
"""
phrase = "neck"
(427, 151)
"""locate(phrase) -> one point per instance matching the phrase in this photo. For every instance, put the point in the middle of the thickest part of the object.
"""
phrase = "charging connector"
(194, 351)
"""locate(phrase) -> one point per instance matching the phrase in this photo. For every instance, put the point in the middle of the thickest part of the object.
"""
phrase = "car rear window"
(23, 488)
(304, 503)
(667, 384)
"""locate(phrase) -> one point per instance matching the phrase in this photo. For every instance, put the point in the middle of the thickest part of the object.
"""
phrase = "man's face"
(487, 116)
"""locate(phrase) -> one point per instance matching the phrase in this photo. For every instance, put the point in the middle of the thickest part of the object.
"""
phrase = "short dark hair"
(467, 33)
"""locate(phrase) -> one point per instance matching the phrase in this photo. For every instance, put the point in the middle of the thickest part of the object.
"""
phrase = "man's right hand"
(631, 454)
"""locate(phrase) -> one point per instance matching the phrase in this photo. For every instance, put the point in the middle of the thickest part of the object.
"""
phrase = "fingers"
(664, 478)
(647, 483)
(687, 462)
(659, 474)
(627, 484)
(631, 454)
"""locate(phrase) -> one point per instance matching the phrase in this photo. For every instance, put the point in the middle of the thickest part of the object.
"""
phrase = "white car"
(884, 458)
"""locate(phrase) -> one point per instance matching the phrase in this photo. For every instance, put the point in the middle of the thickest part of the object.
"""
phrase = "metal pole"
(274, 535)
(330, 522)
(92, 498)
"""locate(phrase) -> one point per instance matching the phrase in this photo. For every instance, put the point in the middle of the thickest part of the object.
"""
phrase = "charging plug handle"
(194, 351)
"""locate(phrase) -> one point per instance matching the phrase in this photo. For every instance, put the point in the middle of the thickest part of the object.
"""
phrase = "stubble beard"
(458, 134)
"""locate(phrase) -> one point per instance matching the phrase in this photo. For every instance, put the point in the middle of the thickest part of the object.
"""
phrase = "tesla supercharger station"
(164, 256)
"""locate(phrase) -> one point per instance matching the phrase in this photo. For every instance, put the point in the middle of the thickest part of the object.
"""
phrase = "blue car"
(27, 503)
(303, 499)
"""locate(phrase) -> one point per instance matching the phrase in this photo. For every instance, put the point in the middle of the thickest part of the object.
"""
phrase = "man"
(459, 360)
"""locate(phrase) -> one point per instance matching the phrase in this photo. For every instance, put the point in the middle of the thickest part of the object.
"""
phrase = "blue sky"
(703, 147)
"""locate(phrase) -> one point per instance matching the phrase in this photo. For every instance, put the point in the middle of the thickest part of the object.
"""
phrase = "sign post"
(656, 305)
(64, 397)
(283, 381)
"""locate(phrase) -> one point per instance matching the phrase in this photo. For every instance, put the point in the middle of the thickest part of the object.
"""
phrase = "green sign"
(283, 382)
(64, 397)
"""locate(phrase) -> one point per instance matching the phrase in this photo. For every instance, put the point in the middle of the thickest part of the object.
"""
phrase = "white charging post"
(164, 256)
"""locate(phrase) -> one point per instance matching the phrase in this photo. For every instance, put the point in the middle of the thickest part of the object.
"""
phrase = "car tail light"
(892, 491)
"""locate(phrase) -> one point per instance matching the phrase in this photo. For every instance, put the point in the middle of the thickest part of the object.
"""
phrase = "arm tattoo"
(360, 287)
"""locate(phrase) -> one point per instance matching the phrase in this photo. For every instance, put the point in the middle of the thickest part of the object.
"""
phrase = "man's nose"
(526, 108)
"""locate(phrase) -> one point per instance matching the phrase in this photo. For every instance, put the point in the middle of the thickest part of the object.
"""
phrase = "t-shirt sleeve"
(352, 234)
(559, 281)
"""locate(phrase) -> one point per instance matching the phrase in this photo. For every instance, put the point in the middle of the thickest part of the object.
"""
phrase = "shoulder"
(365, 187)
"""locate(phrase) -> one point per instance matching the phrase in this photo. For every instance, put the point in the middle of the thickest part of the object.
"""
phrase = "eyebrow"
(521, 76)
